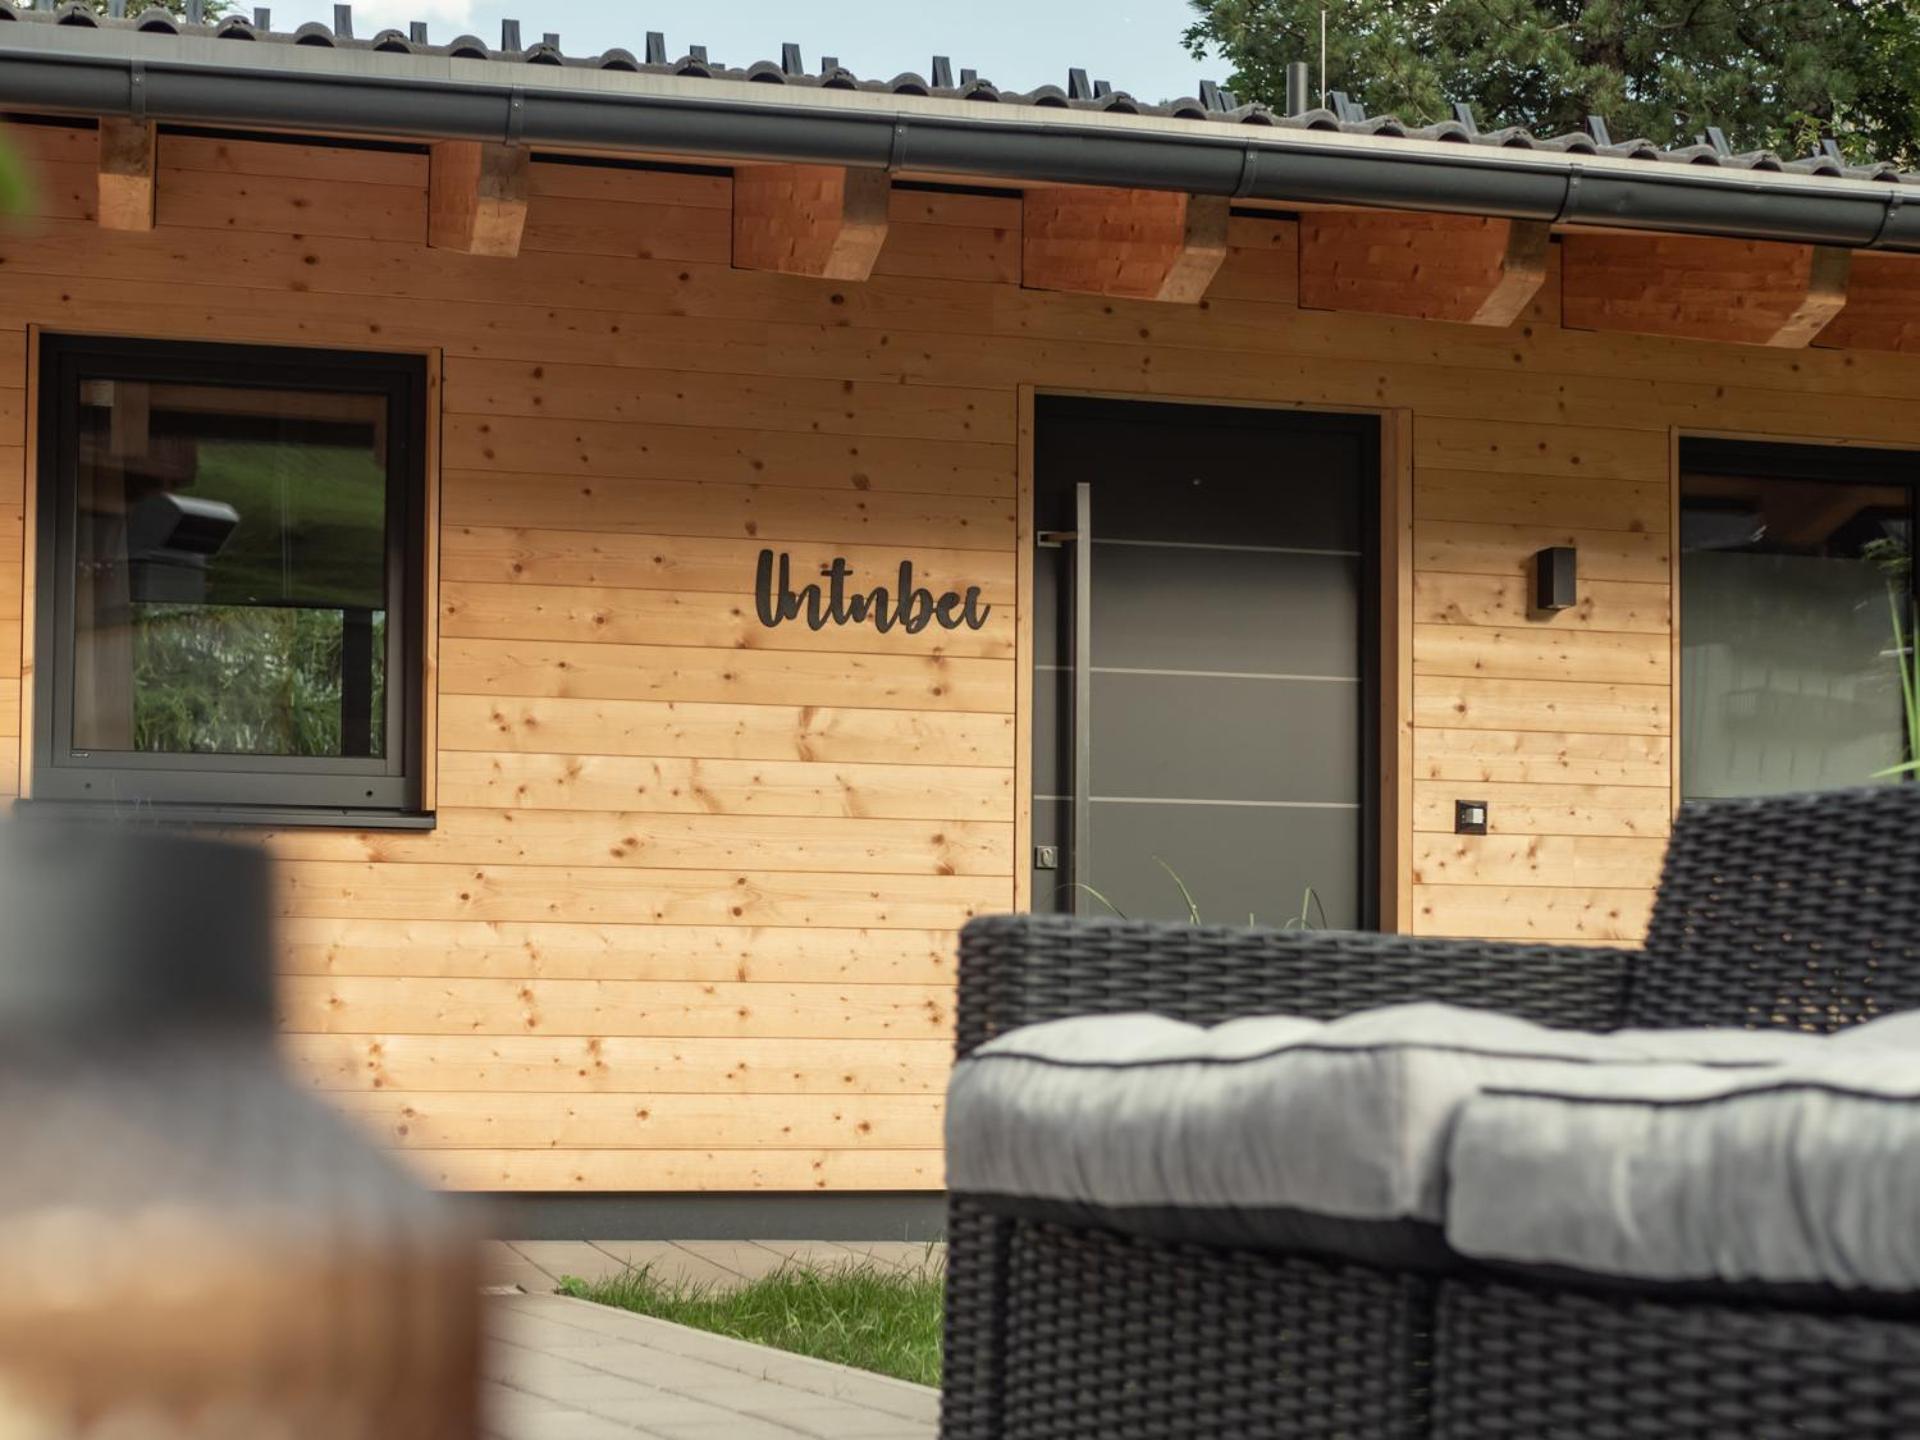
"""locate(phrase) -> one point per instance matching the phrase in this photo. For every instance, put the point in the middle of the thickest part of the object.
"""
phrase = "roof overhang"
(200, 80)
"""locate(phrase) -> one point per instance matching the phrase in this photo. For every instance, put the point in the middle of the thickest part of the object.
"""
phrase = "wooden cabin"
(653, 548)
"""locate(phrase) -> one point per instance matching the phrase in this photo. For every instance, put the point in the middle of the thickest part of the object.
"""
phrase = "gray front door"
(1203, 695)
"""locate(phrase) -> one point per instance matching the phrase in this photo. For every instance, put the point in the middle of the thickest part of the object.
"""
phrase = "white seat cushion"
(1139, 1116)
(1804, 1174)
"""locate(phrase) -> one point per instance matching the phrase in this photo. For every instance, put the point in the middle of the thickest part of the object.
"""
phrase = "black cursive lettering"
(763, 591)
(910, 606)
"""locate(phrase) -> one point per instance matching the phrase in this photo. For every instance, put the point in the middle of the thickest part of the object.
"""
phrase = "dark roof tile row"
(1212, 104)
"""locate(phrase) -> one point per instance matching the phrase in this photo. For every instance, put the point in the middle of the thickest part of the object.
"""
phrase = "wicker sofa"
(1801, 912)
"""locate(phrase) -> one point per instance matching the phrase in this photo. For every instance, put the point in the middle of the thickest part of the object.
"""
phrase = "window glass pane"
(230, 595)
(1788, 677)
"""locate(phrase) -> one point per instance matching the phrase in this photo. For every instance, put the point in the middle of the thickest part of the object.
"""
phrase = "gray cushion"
(1347, 1119)
(1807, 1173)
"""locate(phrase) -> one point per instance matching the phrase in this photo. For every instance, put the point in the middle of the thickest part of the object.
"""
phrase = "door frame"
(1387, 662)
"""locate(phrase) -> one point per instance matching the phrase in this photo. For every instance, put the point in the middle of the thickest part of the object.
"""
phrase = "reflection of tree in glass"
(244, 680)
(256, 666)
(1894, 556)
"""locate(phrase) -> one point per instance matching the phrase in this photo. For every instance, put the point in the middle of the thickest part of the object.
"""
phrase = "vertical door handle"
(1082, 717)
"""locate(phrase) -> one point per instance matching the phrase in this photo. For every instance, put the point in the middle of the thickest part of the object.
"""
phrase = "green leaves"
(211, 10)
(1906, 654)
(1774, 74)
(16, 190)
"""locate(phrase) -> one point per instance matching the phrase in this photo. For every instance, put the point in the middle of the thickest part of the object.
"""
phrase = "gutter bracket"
(516, 115)
(1249, 169)
(1895, 198)
(897, 151)
(1572, 194)
(137, 91)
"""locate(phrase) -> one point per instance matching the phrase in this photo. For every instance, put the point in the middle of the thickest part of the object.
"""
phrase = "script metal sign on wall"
(909, 606)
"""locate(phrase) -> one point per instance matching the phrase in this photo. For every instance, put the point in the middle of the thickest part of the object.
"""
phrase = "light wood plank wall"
(687, 918)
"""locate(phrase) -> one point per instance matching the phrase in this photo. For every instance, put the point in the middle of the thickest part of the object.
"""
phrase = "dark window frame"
(230, 789)
(1808, 462)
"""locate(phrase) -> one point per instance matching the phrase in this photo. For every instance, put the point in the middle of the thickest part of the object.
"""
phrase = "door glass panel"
(1228, 724)
(230, 587)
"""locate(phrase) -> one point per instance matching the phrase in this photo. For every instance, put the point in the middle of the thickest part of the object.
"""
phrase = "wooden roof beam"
(828, 221)
(1132, 244)
(477, 201)
(1883, 305)
(126, 174)
(1465, 268)
(1697, 287)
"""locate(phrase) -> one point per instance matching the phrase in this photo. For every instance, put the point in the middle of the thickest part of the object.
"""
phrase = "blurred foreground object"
(16, 189)
(189, 1246)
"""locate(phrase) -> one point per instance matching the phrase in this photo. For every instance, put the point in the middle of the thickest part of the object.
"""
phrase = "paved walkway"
(563, 1369)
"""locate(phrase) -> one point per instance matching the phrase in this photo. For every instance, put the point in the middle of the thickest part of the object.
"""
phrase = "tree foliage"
(211, 9)
(1774, 74)
(244, 680)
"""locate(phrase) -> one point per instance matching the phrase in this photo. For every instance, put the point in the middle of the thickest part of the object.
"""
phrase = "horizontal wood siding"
(687, 918)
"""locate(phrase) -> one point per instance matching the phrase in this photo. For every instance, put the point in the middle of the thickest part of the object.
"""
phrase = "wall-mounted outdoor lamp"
(1554, 582)
(1469, 817)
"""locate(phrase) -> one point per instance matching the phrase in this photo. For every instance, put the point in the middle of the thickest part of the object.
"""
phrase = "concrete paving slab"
(816, 1254)
(641, 1364)
(566, 1425)
(556, 1258)
(840, 1424)
(670, 1263)
(746, 1260)
(501, 1264)
(907, 1255)
(737, 1427)
(537, 1333)
(564, 1369)
(659, 1407)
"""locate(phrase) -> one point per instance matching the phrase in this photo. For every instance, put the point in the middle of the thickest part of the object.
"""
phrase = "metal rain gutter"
(190, 80)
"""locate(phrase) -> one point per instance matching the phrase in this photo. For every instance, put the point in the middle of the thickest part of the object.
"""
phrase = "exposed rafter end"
(1132, 244)
(827, 221)
(127, 150)
(1883, 305)
(1694, 287)
(478, 202)
(1465, 268)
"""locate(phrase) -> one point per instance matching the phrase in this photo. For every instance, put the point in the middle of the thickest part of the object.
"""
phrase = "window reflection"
(1788, 676)
(230, 587)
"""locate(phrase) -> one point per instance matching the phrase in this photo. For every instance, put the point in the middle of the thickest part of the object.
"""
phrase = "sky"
(1017, 44)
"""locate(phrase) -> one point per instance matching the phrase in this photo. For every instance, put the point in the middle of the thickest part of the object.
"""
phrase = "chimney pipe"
(1297, 88)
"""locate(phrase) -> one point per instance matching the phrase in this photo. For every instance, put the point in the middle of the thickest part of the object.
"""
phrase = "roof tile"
(1213, 104)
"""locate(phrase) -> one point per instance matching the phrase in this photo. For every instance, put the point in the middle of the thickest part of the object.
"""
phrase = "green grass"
(863, 1315)
(313, 523)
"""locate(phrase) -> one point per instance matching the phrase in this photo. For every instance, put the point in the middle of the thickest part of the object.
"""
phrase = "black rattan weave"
(1020, 969)
(1119, 1337)
(1038, 1314)
(1520, 1363)
(973, 1364)
(1800, 911)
